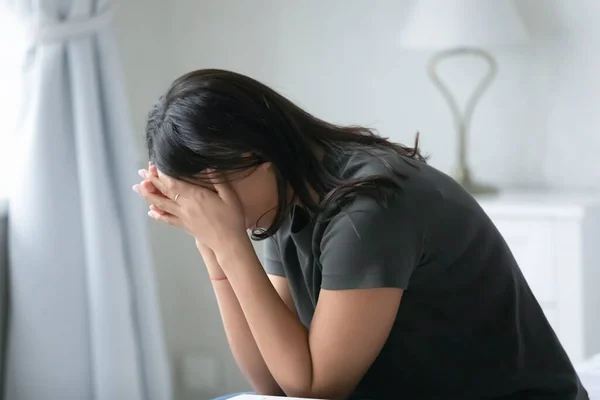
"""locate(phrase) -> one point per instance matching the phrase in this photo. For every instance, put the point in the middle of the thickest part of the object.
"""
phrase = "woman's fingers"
(159, 185)
(162, 209)
(143, 173)
(147, 175)
(160, 201)
(172, 187)
(157, 210)
(223, 188)
(167, 219)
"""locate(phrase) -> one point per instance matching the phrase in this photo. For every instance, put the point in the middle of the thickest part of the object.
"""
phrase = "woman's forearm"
(240, 339)
(242, 343)
(278, 334)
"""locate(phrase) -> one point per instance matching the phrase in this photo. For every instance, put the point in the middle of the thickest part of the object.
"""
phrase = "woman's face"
(257, 190)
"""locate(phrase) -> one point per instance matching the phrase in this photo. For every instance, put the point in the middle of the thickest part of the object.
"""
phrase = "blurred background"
(534, 136)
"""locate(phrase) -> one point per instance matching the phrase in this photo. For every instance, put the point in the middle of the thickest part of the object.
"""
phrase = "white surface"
(554, 238)
(260, 397)
(434, 24)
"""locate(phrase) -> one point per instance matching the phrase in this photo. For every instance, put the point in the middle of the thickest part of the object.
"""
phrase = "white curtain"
(84, 321)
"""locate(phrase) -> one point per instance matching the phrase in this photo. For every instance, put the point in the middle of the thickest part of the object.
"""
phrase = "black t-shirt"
(468, 326)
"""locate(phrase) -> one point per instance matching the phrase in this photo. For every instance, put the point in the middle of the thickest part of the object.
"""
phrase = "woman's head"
(262, 143)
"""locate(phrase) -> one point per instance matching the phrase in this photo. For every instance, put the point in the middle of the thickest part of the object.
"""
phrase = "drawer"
(533, 246)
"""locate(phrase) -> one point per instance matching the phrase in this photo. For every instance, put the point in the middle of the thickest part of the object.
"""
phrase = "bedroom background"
(537, 129)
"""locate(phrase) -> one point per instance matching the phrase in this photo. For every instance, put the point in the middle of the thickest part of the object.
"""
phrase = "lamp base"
(463, 120)
(463, 177)
(476, 188)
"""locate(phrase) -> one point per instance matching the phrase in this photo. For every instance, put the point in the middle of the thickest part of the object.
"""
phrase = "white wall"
(573, 120)
(341, 61)
(536, 126)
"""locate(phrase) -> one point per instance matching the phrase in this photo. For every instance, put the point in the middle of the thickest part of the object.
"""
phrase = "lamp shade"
(435, 24)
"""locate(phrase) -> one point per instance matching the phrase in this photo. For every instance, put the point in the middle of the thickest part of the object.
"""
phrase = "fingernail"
(136, 188)
(142, 173)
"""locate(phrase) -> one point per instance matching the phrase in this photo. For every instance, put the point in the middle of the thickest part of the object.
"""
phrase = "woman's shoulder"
(357, 162)
(398, 177)
(418, 188)
(412, 177)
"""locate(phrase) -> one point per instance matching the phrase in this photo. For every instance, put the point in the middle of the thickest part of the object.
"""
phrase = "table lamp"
(462, 28)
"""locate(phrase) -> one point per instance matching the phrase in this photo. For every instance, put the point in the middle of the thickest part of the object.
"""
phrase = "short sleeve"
(371, 244)
(273, 264)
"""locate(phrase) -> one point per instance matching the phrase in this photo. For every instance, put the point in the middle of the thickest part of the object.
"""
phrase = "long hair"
(226, 121)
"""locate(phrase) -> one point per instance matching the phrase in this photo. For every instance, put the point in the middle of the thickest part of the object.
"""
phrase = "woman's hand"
(215, 219)
(147, 187)
(213, 267)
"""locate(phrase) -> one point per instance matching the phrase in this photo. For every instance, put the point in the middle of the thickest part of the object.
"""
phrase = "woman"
(382, 277)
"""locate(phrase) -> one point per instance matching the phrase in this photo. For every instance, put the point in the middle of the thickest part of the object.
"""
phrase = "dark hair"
(221, 120)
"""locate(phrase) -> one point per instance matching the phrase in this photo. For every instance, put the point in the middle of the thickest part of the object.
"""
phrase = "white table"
(260, 397)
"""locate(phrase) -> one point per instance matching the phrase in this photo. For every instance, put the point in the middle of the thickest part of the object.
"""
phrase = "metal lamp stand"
(462, 173)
